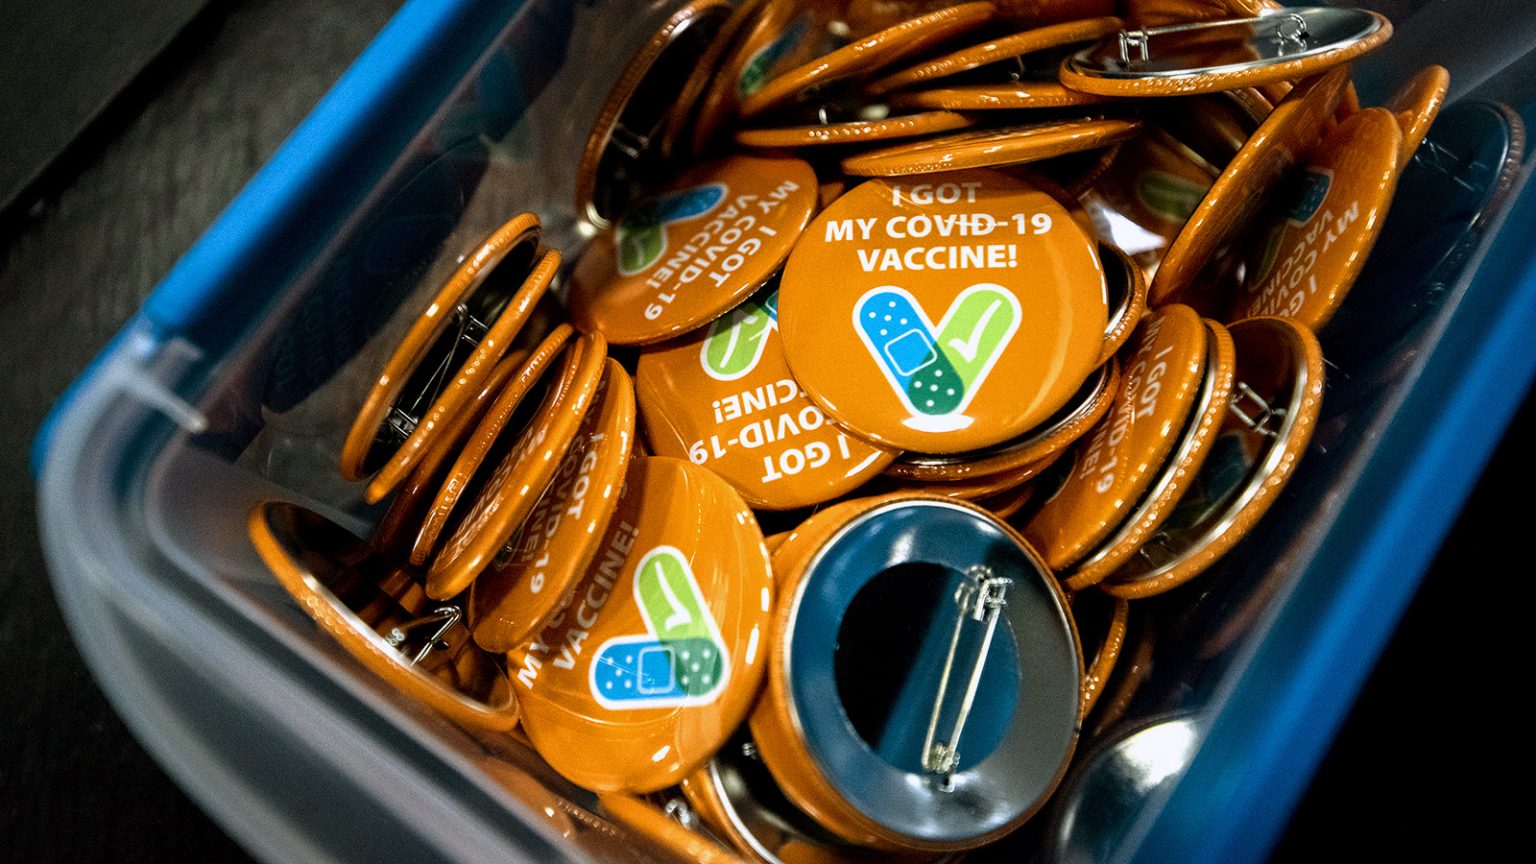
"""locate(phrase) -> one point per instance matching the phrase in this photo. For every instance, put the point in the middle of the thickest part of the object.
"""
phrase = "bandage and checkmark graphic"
(641, 238)
(680, 659)
(937, 370)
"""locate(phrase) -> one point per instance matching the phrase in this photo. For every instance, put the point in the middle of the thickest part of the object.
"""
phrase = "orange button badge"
(685, 257)
(723, 397)
(1269, 423)
(1209, 56)
(1018, 95)
(379, 614)
(1417, 105)
(860, 131)
(662, 650)
(523, 473)
(776, 36)
(1292, 129)
(536, 572)
(963, 738)
(966, 308)
(623, 151)
(995, 147)
(1308, 259)
(435, 370)
(995, 51)
(1196, 433)
(869, 54)
(1116, 462)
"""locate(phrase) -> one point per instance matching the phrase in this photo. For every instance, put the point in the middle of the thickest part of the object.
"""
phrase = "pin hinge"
(445, 617)
(1264, 417)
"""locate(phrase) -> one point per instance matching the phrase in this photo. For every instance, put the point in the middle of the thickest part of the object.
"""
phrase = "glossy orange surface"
(523, 473)
(854, 131)
(1115, 463)
(998, 50)
(535, 574)
(870, 54)
(993, 147)
(1240, 73)
(520, 234)
(1228, 208)
(966, 308)
(1307, 257)
(1417, 105)
(1280, 360)
(316, 560)
(723, 397)
(661, 653)
(685, 257)
(995, 97)
(1178, 473)
(488, 430)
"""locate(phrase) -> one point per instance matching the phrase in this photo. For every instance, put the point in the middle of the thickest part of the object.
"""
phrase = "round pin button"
(997, 97)
(662, 650)
(777, 36)
(468, 325)
(1208, 56)
(379, 614)
(622, 154)
(1269, 422)
(1178, 471)
(488, 440)
(967, 308)
(536, 572)
(924, 675)
(1318, 240)
(1417, 105)
(993, 51)
(869, 54)
(523, 473)
(854, 131)
(1247, 182)
(685, 257)
(723, 397)
(995, 147)
(1116, 462)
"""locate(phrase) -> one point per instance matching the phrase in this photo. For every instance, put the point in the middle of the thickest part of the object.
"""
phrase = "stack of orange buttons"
(1000, 314)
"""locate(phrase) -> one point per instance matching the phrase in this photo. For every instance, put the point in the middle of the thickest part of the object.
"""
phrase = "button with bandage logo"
(683, 258)
(724, 398)
(967, 308)
(662, 649)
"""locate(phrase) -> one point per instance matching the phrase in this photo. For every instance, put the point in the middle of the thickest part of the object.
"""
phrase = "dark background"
(122, 137)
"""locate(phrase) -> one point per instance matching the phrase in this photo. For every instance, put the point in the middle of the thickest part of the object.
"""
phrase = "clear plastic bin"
(236, 380)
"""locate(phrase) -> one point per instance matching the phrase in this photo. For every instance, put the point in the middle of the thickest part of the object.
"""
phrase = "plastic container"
(236, 380)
